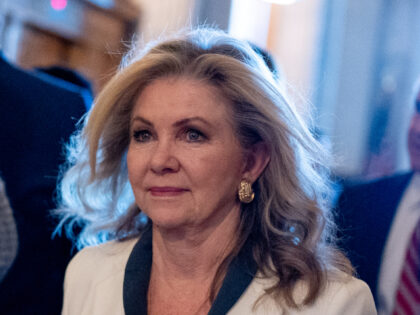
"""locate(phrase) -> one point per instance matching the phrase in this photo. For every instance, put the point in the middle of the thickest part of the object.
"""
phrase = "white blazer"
(94, 286)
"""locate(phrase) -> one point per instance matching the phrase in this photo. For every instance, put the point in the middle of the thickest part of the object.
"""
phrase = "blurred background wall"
(352, 63)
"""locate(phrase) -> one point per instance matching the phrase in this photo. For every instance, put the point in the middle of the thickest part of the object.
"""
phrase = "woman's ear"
(256, 161)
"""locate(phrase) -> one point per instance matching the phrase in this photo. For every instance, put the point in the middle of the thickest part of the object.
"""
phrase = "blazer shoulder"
(343, 294)
(94, 279)
(95, 262)
(350, 296)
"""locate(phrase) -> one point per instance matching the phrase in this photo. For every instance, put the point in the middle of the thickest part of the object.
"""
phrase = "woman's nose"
(163, 159)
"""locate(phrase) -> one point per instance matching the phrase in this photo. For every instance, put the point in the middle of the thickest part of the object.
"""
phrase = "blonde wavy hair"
(288, 222)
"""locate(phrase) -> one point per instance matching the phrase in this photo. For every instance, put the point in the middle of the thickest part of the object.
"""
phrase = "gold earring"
(245, 193)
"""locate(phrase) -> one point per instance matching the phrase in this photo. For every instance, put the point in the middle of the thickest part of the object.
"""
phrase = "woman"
(211, 188)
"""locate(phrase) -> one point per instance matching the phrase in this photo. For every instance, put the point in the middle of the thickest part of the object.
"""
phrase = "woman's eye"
(194, 135)
(142, 135)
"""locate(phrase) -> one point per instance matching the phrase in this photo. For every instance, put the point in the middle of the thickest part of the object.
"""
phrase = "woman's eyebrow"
(192, 119)
(141, 119)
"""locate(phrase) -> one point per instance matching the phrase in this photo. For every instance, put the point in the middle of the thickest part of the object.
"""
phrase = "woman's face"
(184, 161)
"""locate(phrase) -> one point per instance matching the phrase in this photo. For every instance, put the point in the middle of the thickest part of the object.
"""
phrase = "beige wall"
(289, 32)
(250, 20)
(159, 17)
(293, 39)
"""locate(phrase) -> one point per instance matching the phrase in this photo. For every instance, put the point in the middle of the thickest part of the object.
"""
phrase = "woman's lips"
(166, 191)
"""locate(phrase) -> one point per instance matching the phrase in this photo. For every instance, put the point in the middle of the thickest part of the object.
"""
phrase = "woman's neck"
(193, 254)
(185, 262)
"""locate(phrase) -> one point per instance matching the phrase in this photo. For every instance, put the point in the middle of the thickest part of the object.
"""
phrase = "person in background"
(269, 61)
(8, 234)
(207, 190)
(70, 79)
(380, 219)
(37, 117)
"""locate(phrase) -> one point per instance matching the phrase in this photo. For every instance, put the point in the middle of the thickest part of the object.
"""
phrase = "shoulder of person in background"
(363, 186)
(69, 79)
(38, 114)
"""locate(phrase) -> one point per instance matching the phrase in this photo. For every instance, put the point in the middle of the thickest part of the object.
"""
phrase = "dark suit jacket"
(364, 216)
(36, 119)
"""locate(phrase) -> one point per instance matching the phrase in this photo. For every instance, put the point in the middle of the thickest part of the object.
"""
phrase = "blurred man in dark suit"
(36, 119)
(378, 220)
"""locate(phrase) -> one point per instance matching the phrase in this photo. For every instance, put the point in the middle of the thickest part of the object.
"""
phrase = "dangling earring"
(245, 192)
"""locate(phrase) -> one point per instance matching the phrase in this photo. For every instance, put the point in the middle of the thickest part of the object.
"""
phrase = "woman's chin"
(173, 223)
